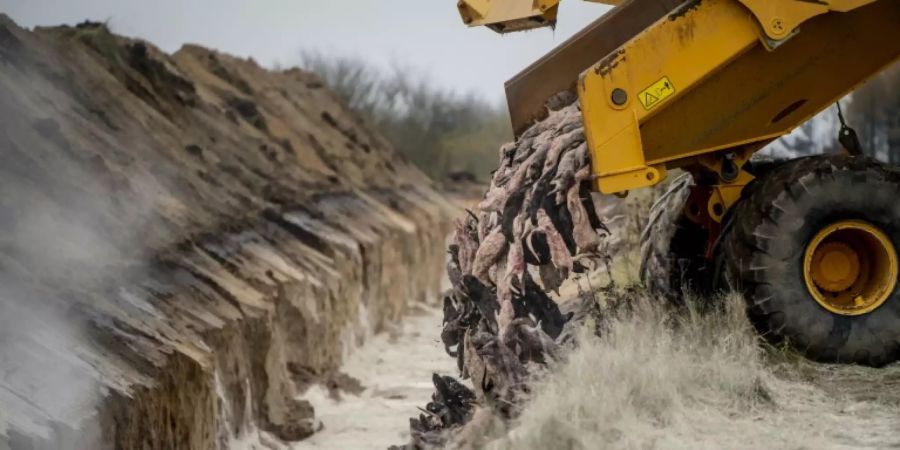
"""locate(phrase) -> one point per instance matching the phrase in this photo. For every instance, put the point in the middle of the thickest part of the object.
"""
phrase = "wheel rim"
(850, 267)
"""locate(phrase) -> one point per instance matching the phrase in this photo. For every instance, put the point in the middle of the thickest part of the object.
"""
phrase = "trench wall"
(188, 241)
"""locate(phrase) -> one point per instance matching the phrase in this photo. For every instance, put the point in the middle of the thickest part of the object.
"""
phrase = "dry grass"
(688, 379)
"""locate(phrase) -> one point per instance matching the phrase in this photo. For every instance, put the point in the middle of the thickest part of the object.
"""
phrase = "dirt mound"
(184, 239)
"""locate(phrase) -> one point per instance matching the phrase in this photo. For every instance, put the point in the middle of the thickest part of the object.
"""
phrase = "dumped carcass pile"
(536, 227)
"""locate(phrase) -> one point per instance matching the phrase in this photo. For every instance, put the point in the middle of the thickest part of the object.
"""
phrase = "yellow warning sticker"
(656, 93)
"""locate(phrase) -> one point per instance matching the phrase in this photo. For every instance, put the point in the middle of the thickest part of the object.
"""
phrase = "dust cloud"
(51, 252)
(42, 381)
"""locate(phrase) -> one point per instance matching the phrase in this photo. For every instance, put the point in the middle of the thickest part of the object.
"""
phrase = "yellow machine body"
(506, 16)
(509, 16)
(726, 74)
(701, 85)
(663, 82)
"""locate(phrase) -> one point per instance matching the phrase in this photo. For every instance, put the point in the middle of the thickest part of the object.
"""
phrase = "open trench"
(189, 242)
(395, 369)
(193, 249)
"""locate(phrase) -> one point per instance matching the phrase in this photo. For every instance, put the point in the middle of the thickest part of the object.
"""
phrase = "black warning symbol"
(656, 93)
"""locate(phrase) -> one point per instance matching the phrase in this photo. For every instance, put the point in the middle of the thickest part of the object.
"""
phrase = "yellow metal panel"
(780, 18)
(766, 94)
(728, 89)
(478, 9)
(846, 5)
(509, 15)
(684, 48)
(558, 71)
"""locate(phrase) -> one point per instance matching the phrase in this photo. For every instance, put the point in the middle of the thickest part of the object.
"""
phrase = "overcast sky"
(426, 34)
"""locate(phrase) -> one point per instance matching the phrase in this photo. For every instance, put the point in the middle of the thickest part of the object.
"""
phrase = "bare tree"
(438, 129)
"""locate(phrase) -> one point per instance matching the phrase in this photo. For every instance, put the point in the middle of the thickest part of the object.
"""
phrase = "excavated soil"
(188, 242)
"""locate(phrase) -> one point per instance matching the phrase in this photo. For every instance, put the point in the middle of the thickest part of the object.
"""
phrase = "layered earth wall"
(187, 242)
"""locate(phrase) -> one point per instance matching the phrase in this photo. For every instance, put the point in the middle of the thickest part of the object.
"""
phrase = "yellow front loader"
(701, 86)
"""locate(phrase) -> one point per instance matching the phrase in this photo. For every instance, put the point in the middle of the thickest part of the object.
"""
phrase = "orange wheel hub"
(850, 267)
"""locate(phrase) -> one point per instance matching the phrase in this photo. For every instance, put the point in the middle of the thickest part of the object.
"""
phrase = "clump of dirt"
(335, 381)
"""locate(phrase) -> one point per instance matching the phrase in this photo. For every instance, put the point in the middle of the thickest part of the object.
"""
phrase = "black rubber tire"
(764, 239)
(672, 247)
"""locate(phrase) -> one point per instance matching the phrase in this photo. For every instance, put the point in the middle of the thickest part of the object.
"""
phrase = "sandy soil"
(703, 383)
(396, 371)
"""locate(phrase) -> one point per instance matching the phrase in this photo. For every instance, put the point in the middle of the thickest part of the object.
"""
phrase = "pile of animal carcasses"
(535, 228)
